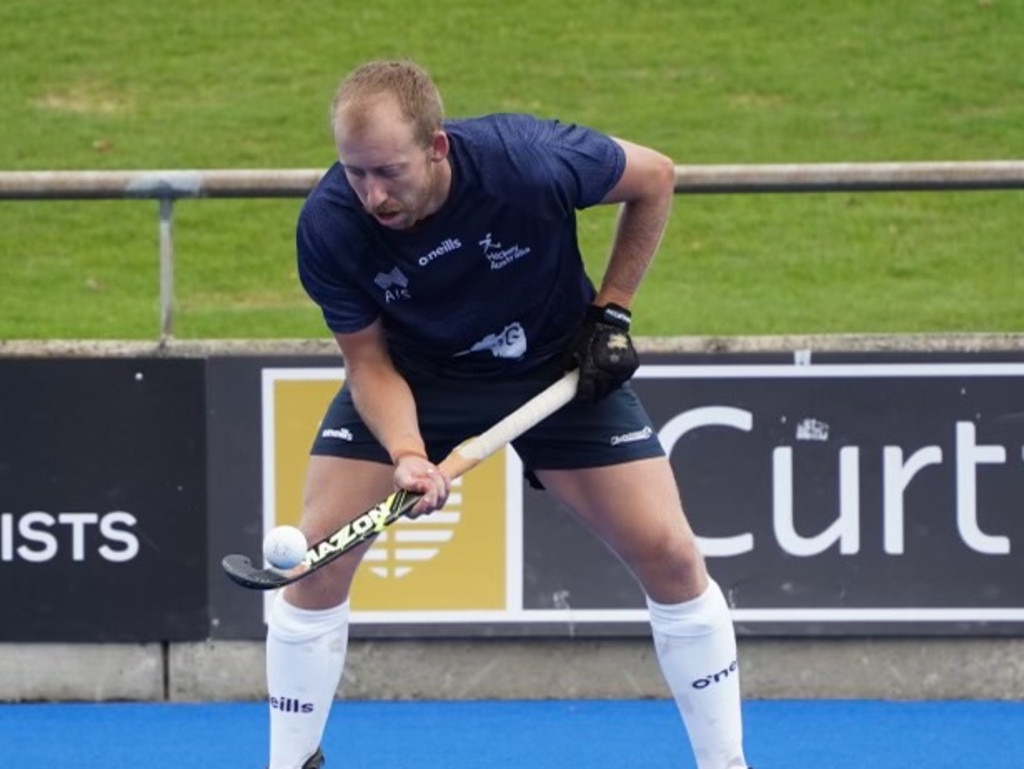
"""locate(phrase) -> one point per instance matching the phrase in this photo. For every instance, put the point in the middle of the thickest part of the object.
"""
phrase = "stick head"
(241, 570)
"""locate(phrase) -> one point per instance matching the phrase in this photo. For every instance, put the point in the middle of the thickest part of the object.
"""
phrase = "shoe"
(315, 761)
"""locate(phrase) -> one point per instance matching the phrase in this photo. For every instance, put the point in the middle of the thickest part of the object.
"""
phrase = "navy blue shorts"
(614, 430)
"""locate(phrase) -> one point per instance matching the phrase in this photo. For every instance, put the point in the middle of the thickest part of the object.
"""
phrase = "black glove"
(603, 352)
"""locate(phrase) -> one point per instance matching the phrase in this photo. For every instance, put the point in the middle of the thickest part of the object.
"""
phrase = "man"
(443, 255)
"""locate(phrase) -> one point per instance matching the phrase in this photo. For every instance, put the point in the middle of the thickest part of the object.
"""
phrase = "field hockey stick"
(372, 522)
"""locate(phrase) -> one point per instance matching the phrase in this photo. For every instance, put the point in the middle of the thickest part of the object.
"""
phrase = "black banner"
(869, 495)
(855, 494)
(834, 498)
(102, 500)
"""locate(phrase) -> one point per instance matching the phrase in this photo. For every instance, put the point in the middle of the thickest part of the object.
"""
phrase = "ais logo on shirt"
(394, 284)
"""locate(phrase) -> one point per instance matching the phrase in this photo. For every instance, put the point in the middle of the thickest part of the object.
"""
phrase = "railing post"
(166, 267)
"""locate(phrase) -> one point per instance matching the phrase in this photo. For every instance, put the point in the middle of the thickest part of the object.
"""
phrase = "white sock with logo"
(696, 649)
(305, 658)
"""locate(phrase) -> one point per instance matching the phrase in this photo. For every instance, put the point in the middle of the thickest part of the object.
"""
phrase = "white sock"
(696, 649)
(305, 658)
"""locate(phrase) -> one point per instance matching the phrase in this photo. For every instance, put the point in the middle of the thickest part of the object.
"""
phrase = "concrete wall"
(980, 668)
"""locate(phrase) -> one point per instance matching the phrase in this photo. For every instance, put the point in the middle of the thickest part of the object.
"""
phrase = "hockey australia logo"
(510, 342)
(394, 284)
(498, 255)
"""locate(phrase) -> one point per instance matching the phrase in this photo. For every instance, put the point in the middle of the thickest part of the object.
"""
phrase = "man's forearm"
(387, 407)
(638, 233)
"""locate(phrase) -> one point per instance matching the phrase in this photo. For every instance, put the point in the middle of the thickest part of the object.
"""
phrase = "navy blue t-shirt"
(490, 285)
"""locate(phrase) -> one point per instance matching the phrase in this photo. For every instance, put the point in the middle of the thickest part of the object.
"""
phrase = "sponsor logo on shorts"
(633, 437)
(341, 433)
(290, 705)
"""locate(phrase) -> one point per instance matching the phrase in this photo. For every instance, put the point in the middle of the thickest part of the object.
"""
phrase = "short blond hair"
(410, 85)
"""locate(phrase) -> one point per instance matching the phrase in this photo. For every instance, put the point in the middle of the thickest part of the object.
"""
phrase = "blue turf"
(781, 734)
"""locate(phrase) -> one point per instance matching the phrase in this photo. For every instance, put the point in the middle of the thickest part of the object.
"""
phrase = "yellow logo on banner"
(453, 559)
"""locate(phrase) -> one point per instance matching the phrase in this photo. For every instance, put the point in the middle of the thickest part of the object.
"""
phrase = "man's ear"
(439, 147)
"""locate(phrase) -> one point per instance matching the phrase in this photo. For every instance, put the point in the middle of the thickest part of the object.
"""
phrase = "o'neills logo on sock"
(290, 705)
(714, 678)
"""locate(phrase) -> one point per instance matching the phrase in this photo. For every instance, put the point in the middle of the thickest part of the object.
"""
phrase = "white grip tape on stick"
(522, 419)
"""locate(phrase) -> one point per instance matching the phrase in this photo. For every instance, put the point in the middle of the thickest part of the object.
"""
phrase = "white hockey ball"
(284, 547)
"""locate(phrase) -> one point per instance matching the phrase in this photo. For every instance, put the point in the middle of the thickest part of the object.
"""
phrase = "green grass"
(127, 84)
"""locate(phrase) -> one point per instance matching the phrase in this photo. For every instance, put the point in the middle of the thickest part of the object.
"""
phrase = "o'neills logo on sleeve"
(449, 245)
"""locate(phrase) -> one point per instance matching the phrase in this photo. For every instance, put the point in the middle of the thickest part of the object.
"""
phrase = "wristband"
(612, 314)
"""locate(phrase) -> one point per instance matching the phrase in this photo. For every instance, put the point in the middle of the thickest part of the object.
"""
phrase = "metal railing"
(170, 185)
